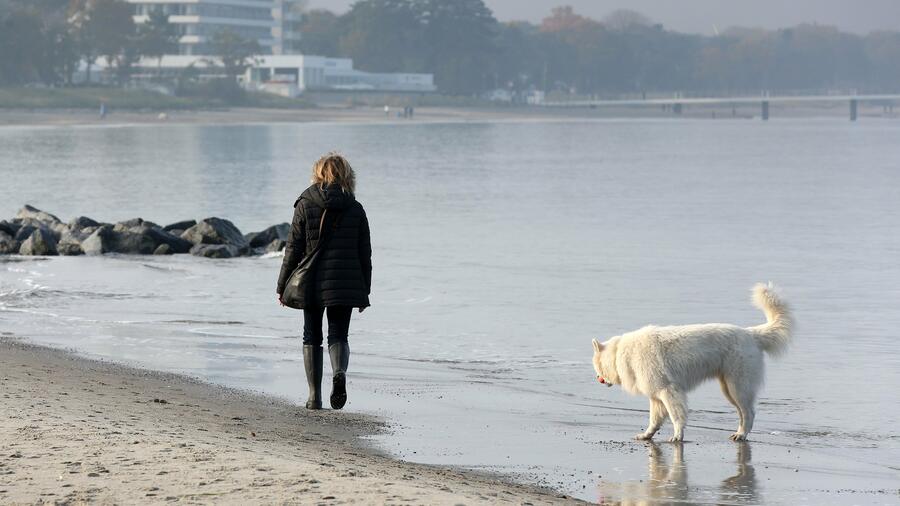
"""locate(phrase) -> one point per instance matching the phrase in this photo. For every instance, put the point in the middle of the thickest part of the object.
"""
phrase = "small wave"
(18, 259)
(451, 361)
(273, 254)
(83, 294)
(164, 268)
(418, 300)
(215, 333)
(27, 311)
(20, 295)
(206, 322)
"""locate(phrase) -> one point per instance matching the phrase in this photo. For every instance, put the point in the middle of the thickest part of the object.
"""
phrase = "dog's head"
(602, 375)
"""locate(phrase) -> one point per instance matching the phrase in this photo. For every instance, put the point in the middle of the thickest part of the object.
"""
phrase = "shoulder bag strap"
(322, 238)
(321, 226)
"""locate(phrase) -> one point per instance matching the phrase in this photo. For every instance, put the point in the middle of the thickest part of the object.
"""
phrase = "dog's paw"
(737, 436)
(643, 436)
(677, 438)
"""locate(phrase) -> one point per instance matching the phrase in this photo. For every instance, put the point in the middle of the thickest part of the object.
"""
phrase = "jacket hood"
(330, 197)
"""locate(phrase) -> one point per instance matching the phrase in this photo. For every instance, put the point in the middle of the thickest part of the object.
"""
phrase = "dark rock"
(25, 232)
(176, 232)
(40, 243)
(82, 222)
(76, 235)
(37, 214)
(108, 240)
(99, 242)
(55, 228)
(161, 237)
(276, 245)
(133, 243)
(68, 248)
(163, 249)
(8, 245)
(215, 251)
(181, 225)
(139, 240)
(134, 222)
(11, 228)
(59, 229)
(215, 231)
(261, 239)
(29, 225)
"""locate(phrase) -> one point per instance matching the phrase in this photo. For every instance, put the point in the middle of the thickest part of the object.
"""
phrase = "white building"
(287, 15)
(272, 23)
(286, 75)
(291, 75)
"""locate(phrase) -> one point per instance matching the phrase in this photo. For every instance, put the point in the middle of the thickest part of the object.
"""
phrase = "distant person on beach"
(341, 276)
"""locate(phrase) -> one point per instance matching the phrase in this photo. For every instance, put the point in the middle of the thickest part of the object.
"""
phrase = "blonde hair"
(333, 168)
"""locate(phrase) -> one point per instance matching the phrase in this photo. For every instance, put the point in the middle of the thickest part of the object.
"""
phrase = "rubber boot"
(312, 362)
(340, 358)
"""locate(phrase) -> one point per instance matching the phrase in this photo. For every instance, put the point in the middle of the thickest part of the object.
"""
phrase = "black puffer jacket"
(343, 274)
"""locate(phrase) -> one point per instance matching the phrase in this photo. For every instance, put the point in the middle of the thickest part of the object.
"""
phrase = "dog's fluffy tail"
(773, 336)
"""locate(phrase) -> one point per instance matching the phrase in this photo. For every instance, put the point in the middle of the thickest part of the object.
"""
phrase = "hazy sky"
(700, 16)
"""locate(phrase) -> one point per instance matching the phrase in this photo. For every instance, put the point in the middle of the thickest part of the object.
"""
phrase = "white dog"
(665, 363)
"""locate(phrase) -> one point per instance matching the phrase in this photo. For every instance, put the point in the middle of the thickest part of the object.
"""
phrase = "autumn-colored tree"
(563, 19)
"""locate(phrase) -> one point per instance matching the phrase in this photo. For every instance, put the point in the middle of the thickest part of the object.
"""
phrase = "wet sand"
(78, 431)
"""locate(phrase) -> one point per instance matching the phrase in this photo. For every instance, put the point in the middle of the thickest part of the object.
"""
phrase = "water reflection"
(667, 482)
(741, 487)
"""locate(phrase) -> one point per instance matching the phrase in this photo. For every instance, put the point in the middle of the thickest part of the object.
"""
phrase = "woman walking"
(340, 279)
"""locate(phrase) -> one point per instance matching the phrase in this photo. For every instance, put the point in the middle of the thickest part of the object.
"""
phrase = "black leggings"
(338, 325)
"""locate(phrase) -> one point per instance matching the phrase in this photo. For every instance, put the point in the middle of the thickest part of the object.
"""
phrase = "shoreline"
(424, 114)
(83, 430)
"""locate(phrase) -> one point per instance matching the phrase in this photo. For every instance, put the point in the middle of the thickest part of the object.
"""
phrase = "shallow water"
(500, 250)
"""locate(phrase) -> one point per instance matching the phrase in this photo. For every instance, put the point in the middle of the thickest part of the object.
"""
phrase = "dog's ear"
(597, 346)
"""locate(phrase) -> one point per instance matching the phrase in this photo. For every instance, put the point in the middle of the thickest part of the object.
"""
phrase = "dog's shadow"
(668, 481)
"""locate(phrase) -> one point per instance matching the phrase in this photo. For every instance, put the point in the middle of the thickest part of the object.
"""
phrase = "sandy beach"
(78, 431)
(246, 115)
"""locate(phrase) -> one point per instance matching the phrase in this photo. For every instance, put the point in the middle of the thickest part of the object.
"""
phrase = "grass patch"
(118, 98)
(270, 101)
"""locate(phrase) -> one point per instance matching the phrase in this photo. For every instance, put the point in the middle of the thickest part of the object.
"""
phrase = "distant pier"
(677, 104)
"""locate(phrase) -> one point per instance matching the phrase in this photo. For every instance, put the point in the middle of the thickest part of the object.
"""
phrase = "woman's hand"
(278, 296)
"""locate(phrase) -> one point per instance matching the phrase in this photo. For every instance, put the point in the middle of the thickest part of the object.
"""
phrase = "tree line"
(469, 51)
(43, 41)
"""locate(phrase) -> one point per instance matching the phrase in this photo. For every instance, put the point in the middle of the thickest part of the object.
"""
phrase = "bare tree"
(624, 19)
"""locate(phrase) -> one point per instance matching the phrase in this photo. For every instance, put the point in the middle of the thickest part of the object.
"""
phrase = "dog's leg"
(676, 405)
(657, 417)
(726, 390)
(746, 398)
(743, 388)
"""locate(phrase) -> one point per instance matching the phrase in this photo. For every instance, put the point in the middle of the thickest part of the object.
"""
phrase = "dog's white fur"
(665, 363)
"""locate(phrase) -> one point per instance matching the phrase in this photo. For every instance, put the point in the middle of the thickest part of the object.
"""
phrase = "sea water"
(500, 250)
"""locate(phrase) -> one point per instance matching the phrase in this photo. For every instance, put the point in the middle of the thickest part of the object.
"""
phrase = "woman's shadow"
(667, 481)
